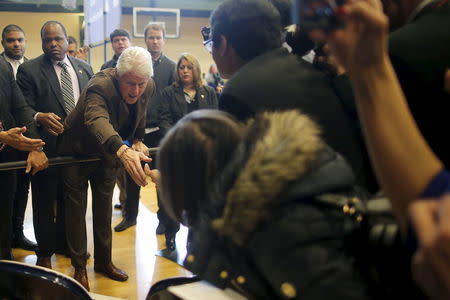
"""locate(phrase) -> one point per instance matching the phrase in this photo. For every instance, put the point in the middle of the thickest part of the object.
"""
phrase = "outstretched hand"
(14, 137)
(154, 174)
(131, 161)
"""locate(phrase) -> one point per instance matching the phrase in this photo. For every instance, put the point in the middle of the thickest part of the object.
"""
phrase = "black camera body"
(317, 14)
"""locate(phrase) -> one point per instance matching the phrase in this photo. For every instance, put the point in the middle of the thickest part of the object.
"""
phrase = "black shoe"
(161, 229)
(170, 243)
(124, 225)
(21, 241)
(118, 206)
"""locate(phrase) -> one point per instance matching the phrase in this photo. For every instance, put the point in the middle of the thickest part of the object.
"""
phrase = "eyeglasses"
(207, 40)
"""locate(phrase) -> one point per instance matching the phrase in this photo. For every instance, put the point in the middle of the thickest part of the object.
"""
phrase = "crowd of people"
(267, 169)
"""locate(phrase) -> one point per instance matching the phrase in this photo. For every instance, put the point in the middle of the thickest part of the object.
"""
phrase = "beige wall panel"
(190, 38)
(31, 23)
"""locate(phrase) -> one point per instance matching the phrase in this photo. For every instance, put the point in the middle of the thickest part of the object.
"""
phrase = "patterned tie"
(66, 87)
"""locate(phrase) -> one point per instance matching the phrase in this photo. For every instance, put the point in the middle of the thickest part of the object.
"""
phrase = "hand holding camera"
(360, 41)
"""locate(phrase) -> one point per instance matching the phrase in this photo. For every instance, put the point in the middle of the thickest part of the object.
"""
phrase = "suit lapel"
(82, 77)
(50, 74)
(201, 97)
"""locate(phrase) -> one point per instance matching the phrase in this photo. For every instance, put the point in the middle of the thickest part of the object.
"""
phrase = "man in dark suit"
(14, 45)
(14, 111)
(419, 47)
(246, 47)
(111, 109)
(120, 40)
(51, 84)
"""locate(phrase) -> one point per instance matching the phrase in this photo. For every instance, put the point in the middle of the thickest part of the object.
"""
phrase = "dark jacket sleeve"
(212, 97)
(27, 86)
(22, 111)
(163, 105)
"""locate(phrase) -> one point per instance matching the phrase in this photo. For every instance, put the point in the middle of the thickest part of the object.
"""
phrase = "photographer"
(405, 165)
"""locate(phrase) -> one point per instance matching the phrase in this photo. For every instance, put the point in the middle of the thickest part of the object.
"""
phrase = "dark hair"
(119, 32)
(252, 27)
(156, 27)
(10, 28)
(72, 40)
(53, 23)
(284, 8)
(191, 156)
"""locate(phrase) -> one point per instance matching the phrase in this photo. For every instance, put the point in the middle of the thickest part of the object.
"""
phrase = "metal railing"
(55, 161)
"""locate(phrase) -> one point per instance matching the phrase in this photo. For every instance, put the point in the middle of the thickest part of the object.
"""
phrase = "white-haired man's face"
(132, 86)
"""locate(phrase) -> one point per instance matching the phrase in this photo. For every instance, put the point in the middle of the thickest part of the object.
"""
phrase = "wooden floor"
(133, 251)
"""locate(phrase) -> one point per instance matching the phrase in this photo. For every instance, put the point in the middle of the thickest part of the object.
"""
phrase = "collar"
(12, 60)
(159, 59)
(65, 59)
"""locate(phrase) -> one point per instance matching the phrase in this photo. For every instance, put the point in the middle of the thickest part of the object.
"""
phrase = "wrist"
(122, 150)
(378, 69)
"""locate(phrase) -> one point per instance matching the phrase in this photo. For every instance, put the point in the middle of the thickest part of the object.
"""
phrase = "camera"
(317, 14)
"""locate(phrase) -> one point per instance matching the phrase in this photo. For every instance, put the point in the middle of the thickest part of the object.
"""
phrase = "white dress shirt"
(15, 63)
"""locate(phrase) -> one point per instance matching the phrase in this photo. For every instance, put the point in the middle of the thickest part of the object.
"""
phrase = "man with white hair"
(110, 110)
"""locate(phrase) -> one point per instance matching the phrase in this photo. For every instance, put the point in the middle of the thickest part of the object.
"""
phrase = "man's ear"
(223, 48)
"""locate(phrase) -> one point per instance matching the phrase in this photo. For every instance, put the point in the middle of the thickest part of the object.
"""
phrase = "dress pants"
(102, 178)
(21, 197)
(133, 192)
(7, 188)
(47, 191)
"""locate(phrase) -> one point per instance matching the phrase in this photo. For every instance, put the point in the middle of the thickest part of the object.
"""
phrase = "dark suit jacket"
(41, 88)
(278, 80)
(173, 105)
(164, 76)
(420, 52)
(92, 128)
(14, 111)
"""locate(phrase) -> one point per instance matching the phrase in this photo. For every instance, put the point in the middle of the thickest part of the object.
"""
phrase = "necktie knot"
(63, 65)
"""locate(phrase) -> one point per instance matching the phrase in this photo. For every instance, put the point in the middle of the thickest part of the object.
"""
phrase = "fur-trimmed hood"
(282, 158)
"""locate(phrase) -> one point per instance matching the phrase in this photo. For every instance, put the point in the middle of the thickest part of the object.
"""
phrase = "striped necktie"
(66, 87)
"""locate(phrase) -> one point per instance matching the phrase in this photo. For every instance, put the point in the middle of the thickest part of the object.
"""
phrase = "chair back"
(19, 281)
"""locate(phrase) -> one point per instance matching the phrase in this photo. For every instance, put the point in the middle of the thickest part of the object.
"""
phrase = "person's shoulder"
(103, 82)
(168, 61)
(430, 26)
(3, 62)
(208, 89)
(33, 63)
(80, 64)
(170, 89)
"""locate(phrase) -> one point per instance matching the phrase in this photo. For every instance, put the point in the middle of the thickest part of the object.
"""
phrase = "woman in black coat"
(185, 95)
(251, 197)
